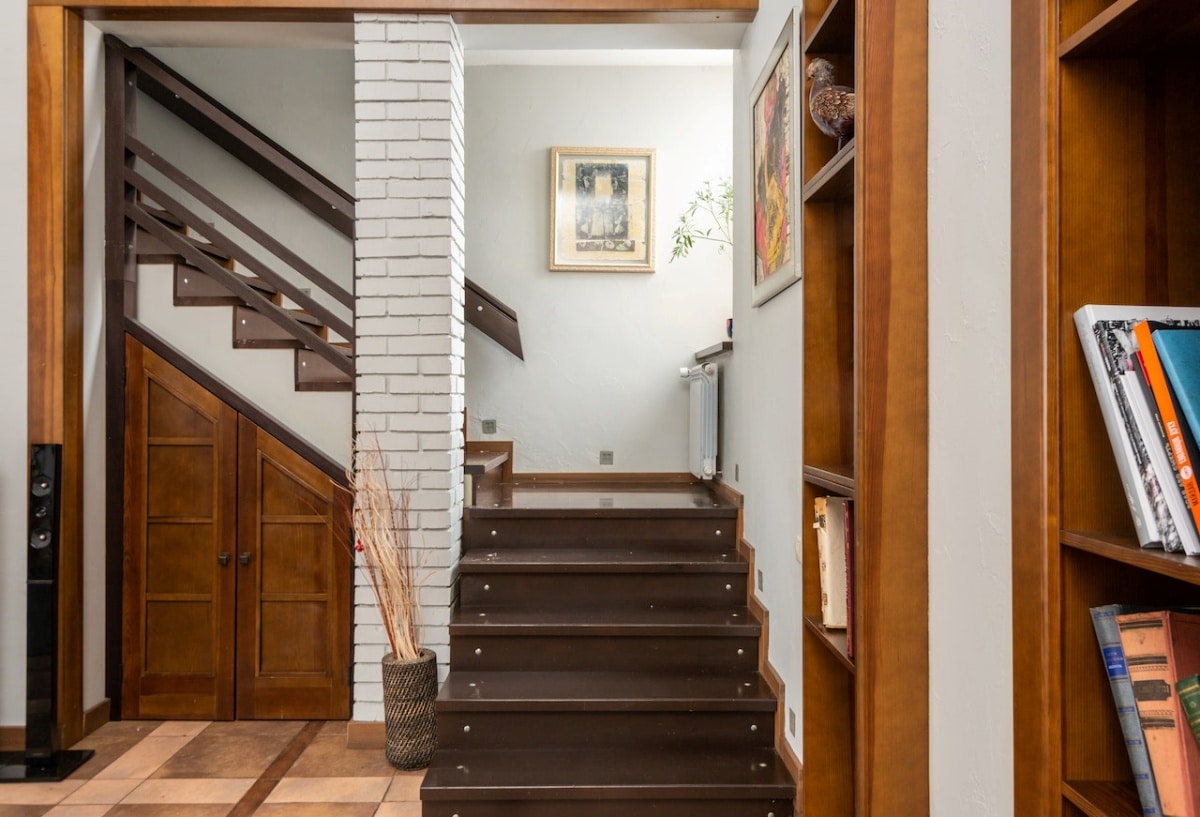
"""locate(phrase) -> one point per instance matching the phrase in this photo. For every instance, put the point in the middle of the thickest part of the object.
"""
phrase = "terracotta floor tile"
(406, 786)
(109, 742)
(224, 755)
(63, 810)
(315, 810)
(101, 792)
(330, 790)
(399, 810)
(13, 810)
(169, 810)
(282, 730)
(328, 756)
(180, 729)
(38, 794)
(161, 790)
(144, 759)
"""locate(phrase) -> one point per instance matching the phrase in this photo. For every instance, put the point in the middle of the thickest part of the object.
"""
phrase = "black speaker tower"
(43, 759)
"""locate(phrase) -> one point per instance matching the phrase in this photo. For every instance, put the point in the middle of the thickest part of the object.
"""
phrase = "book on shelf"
(830, 523)
(1162, 646)
(1188, 690)
(1177, 436)
(1179, 349)
(1160, 513)
(848, 530)
(1104, 620)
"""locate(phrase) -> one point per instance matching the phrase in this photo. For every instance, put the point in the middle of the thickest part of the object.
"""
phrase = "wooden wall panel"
(55, 270)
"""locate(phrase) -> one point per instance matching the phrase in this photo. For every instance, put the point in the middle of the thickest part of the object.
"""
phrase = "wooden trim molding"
(55, 311)
(527, 12)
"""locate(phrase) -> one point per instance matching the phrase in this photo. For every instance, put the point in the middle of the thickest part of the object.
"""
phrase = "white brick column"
(409, 245)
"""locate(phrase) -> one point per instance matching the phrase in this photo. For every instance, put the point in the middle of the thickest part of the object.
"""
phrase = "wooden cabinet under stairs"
(603, 661)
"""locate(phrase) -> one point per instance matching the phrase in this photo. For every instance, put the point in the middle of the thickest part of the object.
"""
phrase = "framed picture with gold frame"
(602, 209)
(774, 139)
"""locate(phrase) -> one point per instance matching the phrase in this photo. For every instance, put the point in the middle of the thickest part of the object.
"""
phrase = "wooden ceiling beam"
(466, 12)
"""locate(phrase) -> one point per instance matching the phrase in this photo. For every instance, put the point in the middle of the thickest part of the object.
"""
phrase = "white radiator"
(702, 420)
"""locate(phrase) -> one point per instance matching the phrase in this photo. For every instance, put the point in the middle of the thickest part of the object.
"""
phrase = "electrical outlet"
(489, 426)
(792, 721)
(606, 458)
(760, 580)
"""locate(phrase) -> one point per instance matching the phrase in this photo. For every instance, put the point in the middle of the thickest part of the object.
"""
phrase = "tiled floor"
(233, 769)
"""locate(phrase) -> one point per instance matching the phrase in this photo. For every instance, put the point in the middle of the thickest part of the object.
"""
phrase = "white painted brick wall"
(409, 253)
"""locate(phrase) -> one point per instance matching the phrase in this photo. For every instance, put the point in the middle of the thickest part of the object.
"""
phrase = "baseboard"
(96, 716)
(790, 761)
(12, 738)
(365, 735)
(606, 478)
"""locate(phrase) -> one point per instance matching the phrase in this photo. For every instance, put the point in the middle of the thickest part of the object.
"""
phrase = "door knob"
(223, 559)
(244, 558)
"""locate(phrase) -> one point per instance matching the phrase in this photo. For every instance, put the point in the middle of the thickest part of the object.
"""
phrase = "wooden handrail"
(242, 140)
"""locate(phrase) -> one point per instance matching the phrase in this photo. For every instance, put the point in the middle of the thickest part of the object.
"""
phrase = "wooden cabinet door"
(180, 525)
(237, 571)
(294, 566)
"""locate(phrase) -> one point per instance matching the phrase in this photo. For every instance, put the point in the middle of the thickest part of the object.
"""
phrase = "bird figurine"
(831, 106)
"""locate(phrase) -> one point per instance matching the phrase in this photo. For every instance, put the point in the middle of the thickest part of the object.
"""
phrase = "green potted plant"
(382, 538)
(708, 217)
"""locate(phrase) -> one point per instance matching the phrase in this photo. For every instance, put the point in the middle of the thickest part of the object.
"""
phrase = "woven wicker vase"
(410, 719)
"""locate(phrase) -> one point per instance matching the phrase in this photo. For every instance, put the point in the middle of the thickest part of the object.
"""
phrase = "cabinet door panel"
(293, 586)
(181, 479)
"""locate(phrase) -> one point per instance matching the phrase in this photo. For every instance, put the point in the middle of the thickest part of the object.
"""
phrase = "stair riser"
(195, 288)
(606, 653)
(704, 534)
(572, 590)
(253, 330)
(607, 808)
(531, 730)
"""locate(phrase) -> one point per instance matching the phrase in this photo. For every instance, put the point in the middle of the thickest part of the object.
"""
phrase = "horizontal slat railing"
(241, 222)
(197, 258)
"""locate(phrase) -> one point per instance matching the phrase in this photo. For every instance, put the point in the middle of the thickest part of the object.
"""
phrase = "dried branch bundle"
(383, 538)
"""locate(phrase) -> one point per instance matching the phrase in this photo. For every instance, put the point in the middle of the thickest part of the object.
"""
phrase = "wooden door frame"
(55, 221)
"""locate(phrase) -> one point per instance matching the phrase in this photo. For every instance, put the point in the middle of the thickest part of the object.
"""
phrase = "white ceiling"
(657, 44)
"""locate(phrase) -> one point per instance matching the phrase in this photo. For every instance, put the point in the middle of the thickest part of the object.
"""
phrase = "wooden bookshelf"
(862, 214)
(1105, 107)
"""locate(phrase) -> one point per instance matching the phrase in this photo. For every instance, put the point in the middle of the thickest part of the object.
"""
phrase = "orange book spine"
(1161, 647)
(1184, 469)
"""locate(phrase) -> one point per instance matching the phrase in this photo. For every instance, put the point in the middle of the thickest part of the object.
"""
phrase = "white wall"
(602, 350)
(763, 394)
(13, 327)
(970, 531)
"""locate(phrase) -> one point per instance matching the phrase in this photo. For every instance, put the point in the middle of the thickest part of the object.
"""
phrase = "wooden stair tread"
(479, 461)
(599, 560)
(541, 501)
(614, 621)
(194, 287)
(603, 691)
(610, 773)
(151, 246)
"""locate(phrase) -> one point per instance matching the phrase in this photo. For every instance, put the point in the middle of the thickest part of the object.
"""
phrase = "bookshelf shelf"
(866, 724)
(1133, 28)
(1103, 209)
(836, 479)
(1124, 548)
(1103, 798)
(834, 181)
(834, 640)
(834, 31)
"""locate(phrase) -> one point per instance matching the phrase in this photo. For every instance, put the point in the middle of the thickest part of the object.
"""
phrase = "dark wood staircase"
(604, 661)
